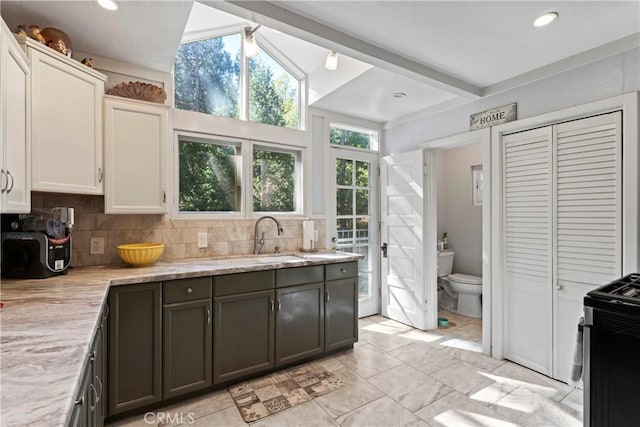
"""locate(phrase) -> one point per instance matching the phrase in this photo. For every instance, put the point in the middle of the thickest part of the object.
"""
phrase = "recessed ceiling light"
(545, 19)
(399, 94)
(108, 4)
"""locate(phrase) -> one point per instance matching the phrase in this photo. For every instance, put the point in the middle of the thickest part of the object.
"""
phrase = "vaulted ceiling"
(440, 53)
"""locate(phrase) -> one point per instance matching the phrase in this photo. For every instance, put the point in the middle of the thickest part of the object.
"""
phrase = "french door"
(353, 219)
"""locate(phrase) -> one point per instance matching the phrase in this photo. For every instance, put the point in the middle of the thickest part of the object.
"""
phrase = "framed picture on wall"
(476, 185)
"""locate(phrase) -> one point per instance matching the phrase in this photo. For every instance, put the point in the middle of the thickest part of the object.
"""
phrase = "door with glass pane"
(354, 214)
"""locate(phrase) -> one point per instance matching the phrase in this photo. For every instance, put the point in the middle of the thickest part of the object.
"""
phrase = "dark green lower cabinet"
(89, 409)
(299, 322)
(341, 313)
(187, 347)
(243, 335)
(135, 346)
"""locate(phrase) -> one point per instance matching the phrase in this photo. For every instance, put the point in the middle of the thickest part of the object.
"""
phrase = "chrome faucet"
(258, 243)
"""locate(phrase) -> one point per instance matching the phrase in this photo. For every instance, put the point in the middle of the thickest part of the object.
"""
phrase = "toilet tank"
(445, 263)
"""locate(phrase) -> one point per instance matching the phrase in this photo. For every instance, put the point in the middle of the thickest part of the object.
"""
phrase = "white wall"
(456, 214)
(606, 78)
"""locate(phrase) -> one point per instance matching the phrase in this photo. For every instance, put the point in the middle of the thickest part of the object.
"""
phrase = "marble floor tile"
(456, 409)
(423, 357)
(308, 414)
(357, 393)
(367, 360)
(417, 335)
(481, 360)
(529, 408)
(382, 340)
(383, 412)
(410, 387)
(574, 400)
(523, 377)
(330, 363)
(229, 417)
(463, 377)
(202, 405)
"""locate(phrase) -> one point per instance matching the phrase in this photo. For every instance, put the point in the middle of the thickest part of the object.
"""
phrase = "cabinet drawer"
(186, 290)
(239, 283)
(342, 270)
(299, 275)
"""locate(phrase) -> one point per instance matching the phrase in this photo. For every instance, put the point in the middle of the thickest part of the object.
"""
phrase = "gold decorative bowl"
(139, 254)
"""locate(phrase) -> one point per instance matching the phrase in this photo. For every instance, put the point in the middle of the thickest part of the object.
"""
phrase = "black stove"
(611, 353)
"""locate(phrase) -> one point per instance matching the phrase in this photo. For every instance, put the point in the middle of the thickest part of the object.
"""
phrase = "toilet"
(461, 293)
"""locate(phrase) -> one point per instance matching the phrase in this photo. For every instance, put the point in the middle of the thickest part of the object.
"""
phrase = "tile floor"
(400, 376)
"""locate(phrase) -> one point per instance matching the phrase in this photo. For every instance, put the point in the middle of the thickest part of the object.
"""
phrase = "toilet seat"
(465, 278)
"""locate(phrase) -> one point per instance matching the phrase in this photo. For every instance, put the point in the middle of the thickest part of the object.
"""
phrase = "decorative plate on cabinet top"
(139, 90)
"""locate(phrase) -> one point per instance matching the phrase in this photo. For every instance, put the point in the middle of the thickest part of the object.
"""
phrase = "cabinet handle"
(92, 356)
(272, 305)
(164, 196)
(101, 388)
(80, 401)
(95, 397)
(342, 270)
(6, 181)
(327, 297)
(279, 305)
(208, 317)
(10, 176)
(189, 290)
(105, 313)
(559, 287)
(101, 172)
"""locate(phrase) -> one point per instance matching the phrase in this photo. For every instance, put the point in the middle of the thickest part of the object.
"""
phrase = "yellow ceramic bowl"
(138, 254)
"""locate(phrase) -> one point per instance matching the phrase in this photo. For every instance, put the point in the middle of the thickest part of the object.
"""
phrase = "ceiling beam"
(281, 19)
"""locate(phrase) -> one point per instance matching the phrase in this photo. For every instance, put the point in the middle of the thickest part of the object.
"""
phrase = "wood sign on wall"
(494, 116)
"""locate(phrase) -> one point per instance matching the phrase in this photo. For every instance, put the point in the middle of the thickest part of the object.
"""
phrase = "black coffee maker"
(36, 246)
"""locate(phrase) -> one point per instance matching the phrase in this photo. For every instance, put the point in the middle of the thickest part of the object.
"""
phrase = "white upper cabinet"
(136, 138)
(66, 122)
(15, 144)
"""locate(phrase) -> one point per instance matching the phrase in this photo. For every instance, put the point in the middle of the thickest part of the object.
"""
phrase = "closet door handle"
(10, 176)
(6, 181)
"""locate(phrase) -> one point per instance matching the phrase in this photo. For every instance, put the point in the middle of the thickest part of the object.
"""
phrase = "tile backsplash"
(225, 236)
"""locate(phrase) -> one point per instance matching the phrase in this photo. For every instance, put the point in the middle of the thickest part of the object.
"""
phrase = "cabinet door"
(299, 322)
(135, 346)
(95, 384)
(66, 126)
(80, 415)
(187, 347)
(136, 138)
(341, 313)
(15, 129)
(243, 337)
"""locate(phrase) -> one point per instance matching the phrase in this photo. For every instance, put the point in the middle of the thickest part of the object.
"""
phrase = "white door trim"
(629, 104)
(482, 136)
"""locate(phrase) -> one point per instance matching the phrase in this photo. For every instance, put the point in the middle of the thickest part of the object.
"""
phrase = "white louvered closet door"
(587, 222)
(528, 248)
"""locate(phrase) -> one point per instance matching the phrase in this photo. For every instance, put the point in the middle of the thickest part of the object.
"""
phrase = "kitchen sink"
(323, 255)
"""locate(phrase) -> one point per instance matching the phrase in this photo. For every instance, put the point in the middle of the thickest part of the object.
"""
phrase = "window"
(212, 76)
(207, 76)
(352, 137)
(273, 92)
(209, 177)
(275, 180)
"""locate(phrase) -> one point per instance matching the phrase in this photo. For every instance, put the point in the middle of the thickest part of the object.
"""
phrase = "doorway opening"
(459, 188)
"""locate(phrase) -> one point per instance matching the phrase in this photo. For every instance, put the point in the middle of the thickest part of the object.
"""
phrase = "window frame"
(273, 52)
(245, 174)
(374, 135)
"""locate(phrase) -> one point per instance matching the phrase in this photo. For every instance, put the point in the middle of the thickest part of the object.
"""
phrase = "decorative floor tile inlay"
(271, 394)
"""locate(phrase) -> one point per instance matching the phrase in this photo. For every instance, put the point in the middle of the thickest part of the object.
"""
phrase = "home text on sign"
(494, 116)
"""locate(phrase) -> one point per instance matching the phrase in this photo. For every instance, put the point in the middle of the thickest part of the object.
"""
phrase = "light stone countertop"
(46, 327)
